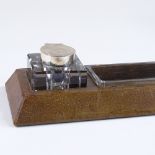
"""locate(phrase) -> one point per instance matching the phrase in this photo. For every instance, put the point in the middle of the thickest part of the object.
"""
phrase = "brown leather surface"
(92, 103)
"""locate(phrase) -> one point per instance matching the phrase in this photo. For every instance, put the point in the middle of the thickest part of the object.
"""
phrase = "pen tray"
(113, 91)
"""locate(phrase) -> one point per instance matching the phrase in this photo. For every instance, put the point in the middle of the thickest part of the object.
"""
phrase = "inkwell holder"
(56, 88)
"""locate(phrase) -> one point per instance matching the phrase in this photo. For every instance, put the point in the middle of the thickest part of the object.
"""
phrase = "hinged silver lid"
(57, 54)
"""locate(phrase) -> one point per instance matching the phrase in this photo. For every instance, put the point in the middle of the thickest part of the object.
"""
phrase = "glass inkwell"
(56, 67)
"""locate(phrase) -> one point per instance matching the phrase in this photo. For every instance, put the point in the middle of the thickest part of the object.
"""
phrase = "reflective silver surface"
(57, 54)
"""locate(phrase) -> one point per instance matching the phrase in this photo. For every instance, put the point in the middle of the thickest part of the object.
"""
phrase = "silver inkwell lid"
(57, 54)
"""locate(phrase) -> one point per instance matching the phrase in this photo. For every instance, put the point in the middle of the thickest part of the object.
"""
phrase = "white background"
(102, 31)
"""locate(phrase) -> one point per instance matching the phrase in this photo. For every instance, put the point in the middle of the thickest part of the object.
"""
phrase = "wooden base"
(30, 107)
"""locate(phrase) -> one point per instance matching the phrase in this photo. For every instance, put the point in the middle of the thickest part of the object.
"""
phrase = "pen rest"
(119, 94)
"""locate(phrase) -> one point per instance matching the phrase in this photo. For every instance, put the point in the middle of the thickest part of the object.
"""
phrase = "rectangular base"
(30, 107)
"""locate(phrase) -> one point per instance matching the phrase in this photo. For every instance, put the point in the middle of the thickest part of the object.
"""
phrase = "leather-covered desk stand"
(111, 98)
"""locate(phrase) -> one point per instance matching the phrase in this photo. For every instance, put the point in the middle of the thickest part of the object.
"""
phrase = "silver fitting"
(57, 54)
